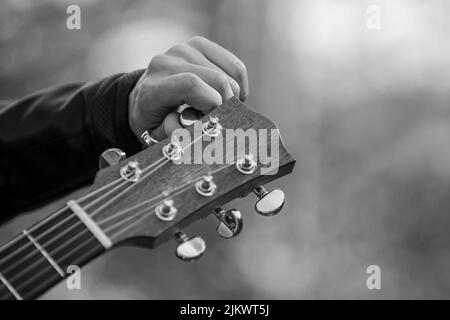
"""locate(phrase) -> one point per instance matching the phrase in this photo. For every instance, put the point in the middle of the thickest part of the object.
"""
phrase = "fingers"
(225, 60)
(173, 121)
(188, 116)
(216, 79)
(199, 73)
(172, 65)
(194, 57)
(189, 88)
(162, 96)
(165, 129)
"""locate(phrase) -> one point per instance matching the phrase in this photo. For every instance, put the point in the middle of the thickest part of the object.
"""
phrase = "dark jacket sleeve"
(50, 141)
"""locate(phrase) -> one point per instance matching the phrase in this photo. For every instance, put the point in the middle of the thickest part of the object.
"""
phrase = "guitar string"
(173, 193)
(112, 183)
(164, 193)
(114, 226)
(52, 228)
(88, 253)
(47, 267)
(54, 252)
(86, 231)
(64, 208)
(119, 179)
(142, 212)
(106, 204)
(11, 255)
(66, 231)
(60, 211)
(48, 282)
(93, 193)
(90, 204)
(21, 236)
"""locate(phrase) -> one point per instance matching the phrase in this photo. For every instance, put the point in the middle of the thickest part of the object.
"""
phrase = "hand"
(198, 72)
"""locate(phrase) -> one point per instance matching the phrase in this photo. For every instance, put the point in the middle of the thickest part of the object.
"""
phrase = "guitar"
(147, 199)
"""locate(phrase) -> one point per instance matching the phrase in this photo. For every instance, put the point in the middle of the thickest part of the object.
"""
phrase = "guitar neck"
(44, 254)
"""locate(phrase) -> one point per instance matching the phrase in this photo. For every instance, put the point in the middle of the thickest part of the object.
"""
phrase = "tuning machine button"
(173, 151)
(189, 249)
(270, 202)
(246, 165)
(166, 211)
(212, 127)
(206, 186)
(111, 157)
(230, 222)
(189, 116)
(131, 172)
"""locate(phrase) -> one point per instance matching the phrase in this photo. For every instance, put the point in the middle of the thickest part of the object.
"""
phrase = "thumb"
(169, 124)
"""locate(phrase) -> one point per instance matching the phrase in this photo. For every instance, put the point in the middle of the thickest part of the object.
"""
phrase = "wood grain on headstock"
(147, 229)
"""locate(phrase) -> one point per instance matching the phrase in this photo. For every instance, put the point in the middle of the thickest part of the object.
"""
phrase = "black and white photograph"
(243, 151)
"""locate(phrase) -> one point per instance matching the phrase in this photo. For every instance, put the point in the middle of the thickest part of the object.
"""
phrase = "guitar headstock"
(149, 197)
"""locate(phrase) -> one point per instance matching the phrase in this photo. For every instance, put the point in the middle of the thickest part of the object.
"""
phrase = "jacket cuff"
(110, 114)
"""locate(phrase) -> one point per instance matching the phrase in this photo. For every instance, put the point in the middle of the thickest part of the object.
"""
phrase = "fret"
(5, 293)
(44, 253)
(39, 257)
(9, 248)
(77, 241)
(12, 291)
(11, 261)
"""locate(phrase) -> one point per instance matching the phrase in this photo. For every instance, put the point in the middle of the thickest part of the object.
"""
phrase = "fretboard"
(41, 255)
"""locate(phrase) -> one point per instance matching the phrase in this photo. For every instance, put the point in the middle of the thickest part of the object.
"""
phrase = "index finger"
(223, 58)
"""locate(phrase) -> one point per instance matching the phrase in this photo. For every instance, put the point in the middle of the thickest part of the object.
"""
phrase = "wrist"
(133, 100)
(134, 94)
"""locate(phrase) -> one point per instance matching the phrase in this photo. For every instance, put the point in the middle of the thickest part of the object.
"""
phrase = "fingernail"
(234, 87)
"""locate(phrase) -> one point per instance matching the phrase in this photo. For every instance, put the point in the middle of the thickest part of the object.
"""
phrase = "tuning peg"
(230, 222)
(270, 202)
(189, 249)
(111, 157)
(189, 116)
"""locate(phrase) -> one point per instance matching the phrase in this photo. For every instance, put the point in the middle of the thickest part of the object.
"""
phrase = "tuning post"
(212, 127)
(246, 165)
(173, 151)
(206, 186)
(270, 202)
(166, 211)
(131, 171)
(111, 157)
(189, 249)
(230, 222)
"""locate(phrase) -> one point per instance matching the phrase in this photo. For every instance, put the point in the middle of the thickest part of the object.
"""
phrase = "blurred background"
(365, 112)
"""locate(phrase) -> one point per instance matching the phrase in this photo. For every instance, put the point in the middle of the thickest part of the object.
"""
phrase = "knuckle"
(190, 80)
(222, 82)
(196, 40)
(235, 87)
(222, 78)
(244, 95)
(151, 88)
(177, 49)
(157, 62)
(241, 68)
